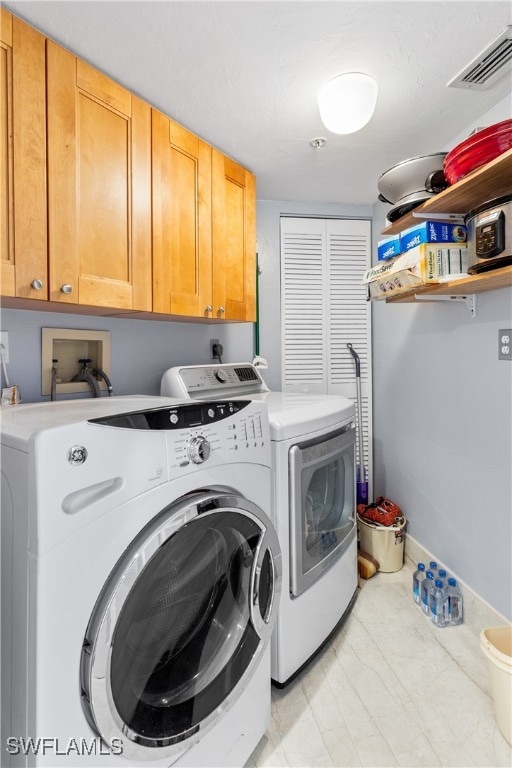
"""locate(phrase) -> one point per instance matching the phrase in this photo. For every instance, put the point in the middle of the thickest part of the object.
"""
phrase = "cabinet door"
(23, 235)
(234, 240)
(99, 187)
(182, 270)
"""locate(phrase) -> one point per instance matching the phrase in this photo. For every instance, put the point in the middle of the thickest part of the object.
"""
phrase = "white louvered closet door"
(324, 307)
(303, 305)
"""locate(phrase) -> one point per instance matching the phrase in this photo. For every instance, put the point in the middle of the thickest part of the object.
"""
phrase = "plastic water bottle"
(441, 574)
(432, 566)
(417, 578)
(427, 582)
(454, 610)
(437, 599)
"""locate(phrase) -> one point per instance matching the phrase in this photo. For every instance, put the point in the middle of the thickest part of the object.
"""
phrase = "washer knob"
(199, 449)
(221, 375)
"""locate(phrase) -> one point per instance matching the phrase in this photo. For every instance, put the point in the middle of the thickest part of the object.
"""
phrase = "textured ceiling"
(245, 75)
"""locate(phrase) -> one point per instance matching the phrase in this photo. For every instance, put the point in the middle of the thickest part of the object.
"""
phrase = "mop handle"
(356, 359)
(360, 428)
(359, 414)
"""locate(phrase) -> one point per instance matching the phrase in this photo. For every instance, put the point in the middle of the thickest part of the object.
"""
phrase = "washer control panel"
(240, 437)
(180, 416)
(199, 432)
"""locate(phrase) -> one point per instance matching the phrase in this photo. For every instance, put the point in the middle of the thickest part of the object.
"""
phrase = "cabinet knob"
(66, 288)
(208, 308)
(37, 284)
(221, 310)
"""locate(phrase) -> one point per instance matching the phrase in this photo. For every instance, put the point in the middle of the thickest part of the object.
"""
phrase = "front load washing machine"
(313, 447)
(140, 582)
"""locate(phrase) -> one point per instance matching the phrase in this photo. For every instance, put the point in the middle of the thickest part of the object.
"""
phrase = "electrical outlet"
(4, 339)
(213, 342)
(505, 344)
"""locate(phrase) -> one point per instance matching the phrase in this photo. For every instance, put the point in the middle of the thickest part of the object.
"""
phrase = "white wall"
(269, 259)
(501, 111)
(141, 349)
(443, 427)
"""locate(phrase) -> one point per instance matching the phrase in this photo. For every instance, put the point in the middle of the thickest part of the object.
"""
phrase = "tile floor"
(390, 689)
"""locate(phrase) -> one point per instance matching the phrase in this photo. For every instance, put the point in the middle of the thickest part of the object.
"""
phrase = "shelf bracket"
(469, 300)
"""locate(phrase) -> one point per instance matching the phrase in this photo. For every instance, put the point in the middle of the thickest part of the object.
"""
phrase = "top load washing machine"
(140, 582)
(314, 502)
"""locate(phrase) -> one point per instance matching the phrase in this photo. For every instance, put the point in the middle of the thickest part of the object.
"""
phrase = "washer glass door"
(188, 629)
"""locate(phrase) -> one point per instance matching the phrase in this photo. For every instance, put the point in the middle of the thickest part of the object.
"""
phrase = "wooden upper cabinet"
(108, 203)
(99, 187)
(182, 277)
(23, 236)
(234, 240)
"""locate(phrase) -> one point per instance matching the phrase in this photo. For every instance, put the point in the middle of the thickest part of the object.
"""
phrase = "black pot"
(407, 204)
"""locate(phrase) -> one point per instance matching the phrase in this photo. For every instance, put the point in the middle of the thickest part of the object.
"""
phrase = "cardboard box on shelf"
(388, 248)
(427, 263)
(432, 232)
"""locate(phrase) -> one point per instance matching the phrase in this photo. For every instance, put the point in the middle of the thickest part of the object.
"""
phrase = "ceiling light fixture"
(347, 102)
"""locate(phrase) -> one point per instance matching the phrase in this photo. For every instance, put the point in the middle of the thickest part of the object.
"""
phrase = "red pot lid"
(479, 149)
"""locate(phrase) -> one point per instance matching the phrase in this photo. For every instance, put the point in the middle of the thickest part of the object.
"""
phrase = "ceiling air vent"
(493, 62)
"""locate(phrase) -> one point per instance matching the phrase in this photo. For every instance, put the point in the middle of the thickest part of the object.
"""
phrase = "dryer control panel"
(212, 381)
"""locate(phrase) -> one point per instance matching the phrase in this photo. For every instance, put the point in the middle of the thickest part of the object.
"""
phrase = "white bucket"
(384, 543)
(496, 643)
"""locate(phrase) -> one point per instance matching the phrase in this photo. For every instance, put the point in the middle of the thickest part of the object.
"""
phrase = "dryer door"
(322, 505)
(181, 624)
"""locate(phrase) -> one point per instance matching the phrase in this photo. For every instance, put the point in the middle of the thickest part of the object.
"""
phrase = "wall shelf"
(486, 281)
(486, 183)
(489, 182)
